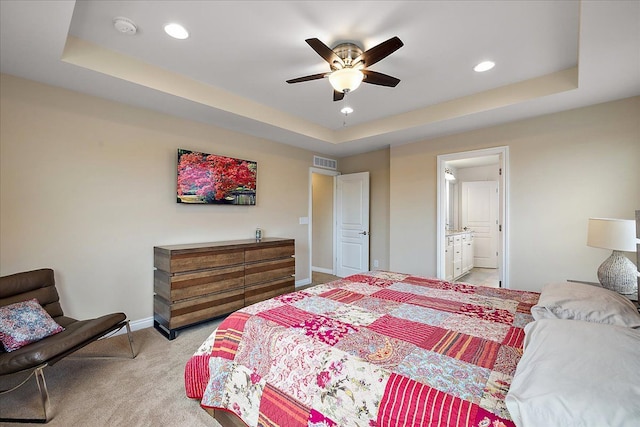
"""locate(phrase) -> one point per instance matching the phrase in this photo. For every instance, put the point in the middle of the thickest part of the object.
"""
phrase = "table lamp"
(617, 272)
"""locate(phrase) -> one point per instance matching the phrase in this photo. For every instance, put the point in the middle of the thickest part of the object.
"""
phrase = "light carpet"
(145, 391)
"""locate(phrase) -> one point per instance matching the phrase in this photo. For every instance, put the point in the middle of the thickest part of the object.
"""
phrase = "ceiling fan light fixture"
(346, 79)
(484, 66)
(176, 31)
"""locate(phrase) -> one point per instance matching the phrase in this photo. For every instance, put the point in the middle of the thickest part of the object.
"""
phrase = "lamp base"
(618, 274)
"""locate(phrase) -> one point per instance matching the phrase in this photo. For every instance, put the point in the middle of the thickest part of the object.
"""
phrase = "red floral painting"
(212, 179)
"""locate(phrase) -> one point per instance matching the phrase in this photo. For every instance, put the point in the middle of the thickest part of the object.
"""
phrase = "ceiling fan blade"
(324, 51)
(380, 51)
(375, 78)
(307, 78)
(337, 96)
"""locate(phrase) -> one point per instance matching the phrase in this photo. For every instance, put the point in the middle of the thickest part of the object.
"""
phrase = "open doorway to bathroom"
(472, 217)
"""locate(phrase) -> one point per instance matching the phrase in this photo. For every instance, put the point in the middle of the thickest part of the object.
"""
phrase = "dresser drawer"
(192, 284)
(263, 291)
(187, 312)
(274, 252)
(268, 270)
(189, 261)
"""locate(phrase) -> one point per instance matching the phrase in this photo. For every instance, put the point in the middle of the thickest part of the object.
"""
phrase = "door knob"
(363, 233)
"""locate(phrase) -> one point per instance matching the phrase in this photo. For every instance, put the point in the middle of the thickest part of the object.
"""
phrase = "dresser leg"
(170, 334)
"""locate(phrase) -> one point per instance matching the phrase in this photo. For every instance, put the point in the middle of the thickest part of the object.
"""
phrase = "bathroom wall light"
(448, 175)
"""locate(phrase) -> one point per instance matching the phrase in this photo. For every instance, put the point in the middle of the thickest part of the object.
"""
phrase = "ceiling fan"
(349, 65)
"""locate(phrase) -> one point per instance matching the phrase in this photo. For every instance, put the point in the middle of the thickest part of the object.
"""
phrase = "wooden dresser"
(200, 281)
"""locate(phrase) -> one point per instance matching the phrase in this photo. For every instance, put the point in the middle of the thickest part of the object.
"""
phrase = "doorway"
(488, 219)
(322, 212)
(338, 222)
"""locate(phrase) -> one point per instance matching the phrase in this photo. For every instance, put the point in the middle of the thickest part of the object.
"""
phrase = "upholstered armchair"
(29, 309)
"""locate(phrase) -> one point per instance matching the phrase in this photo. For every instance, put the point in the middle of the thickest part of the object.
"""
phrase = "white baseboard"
(322, 270)
(141, 323)
(136, 325)
(303, 282)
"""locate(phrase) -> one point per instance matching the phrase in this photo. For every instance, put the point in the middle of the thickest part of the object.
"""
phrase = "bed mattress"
(374, 349)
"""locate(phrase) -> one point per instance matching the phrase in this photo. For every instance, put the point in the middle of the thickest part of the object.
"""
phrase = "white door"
(352, 207)
(479, 206)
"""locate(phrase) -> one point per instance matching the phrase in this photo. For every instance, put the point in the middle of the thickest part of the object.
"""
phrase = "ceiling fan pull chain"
(346, 110)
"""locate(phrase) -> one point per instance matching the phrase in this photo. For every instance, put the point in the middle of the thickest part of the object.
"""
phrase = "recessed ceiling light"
(176, 31)
(346, 110)
(484, 66)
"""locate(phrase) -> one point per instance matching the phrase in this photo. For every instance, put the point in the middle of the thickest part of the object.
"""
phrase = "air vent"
(323, 162)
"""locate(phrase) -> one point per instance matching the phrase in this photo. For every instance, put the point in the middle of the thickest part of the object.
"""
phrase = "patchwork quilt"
(373, 349)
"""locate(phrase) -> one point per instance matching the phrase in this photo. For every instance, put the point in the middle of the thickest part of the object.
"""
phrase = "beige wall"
(564, 168)
(377, 163)
(322, 217)
(87, 187)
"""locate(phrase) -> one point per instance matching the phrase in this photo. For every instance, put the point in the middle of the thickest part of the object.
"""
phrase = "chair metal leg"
(44, 393)
(44, 398)
(131, 344)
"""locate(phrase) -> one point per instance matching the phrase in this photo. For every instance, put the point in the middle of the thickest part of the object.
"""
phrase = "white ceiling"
(231, 71)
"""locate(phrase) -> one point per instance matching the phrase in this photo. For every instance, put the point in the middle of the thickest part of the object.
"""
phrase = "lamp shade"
(614, 234)
(346, 79)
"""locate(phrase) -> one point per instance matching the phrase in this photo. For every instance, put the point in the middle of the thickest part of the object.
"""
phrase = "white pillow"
(576, 301)
(577, 374)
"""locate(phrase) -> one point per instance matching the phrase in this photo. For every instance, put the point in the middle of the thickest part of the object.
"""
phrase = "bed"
(373, 349)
